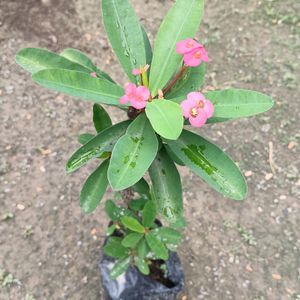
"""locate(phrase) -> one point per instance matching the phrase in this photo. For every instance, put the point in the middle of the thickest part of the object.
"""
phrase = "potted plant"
(162, 96)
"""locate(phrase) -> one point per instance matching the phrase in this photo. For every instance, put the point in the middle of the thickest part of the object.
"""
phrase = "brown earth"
(232, 250)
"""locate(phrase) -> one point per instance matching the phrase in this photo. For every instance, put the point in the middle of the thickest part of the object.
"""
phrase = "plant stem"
(178, 76)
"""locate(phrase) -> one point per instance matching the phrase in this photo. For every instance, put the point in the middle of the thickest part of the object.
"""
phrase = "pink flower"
(195, 57)
(136, 72)
(197, 109)
(186, 46)
(137, 96)
(194, 52)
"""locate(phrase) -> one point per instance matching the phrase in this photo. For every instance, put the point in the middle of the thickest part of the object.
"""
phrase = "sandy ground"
(250, 250)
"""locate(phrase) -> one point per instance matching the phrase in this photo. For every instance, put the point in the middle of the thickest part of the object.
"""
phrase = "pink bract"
(137, 96)
(186, 46)
(196, 57)
(93, 74)
(136, 72)
(197, 109)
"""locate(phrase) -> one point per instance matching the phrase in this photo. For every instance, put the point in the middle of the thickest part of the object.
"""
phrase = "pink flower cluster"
(197, 109)
(193, 53)
(137, 96)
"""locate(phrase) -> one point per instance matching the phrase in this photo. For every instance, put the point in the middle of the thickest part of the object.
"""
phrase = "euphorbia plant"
(163, 94)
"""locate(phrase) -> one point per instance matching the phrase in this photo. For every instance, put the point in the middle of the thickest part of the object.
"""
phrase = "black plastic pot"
(133, 285)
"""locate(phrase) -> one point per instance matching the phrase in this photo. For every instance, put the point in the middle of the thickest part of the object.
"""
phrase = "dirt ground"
(250, 250)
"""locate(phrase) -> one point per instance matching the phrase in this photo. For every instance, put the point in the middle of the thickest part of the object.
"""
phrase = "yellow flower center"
(190, 44)
(198, 55)
(194, 112)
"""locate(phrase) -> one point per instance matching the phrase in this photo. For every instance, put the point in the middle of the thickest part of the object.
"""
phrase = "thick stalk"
(177, 77)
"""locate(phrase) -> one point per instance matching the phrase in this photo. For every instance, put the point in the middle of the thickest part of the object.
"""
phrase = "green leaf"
(173, 156)
(142, 187)
(210, 163)
(143, 248)
(101, 118)
(94, 188)
(80, 85)
(111, 229)
(114, 248)
(115, 212)
(167, 235)
(166, 118)
(35, 59)
(81, 59)
(137, 204)
(235, 103)
(149, 213)
(84, 138)
(131, 240)
(102, 142)
(167, 189)
(132, 154)
(132, 224)
(142, 265)
(119, 268)
(158, 248)
(125, 34)
(181, 23)
(191, 81)
(148, 48)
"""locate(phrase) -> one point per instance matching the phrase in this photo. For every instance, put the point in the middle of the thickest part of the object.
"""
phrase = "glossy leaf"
(125, 34)
(210, 163)
(114, 248)
(142, 265)
(167, 235)
(143, 249)
(132, 224)
(235, 103)
(141, 187)
(101, 143)
(148, 48)
(84, 138)
(149, 213)
(131, 240)
(80, 85)
(115, 212)
(173, 156)
(191, 81)
(137, 204)
(166, 118)
(101, 118)
(181, 22)
(132, 154)
(119, 268)
(81, 59)
(111, 229)
(35, 59)
(167, 189)
(94, 188)
(156, 246)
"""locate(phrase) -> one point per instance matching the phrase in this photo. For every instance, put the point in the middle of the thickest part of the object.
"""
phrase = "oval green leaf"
(166, 118)
(210, 163)
(125, 34)
(181, 22)
(35, 59)
(156, 246)
(101, 118)
(80, 85)
(131, 240)
(81, 59)
(119, 268)
(102, 142)
(132, 224)
(84, 138)
(236, 103)
(142, 265)
(114, 248)
(132, 154)
(94, 188)
(166, 190)
(149, 213)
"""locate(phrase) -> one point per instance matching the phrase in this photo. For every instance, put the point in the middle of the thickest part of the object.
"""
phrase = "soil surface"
(232, 250)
